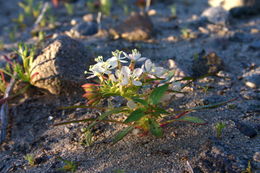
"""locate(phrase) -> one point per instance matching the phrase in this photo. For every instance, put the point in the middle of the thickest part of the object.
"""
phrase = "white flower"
(150, 68)
(126, 76)
(101, 67)
(135, 56)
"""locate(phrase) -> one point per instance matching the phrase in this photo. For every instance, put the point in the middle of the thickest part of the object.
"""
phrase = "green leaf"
(157, 94)
(191, 119)
(120, 135)
(155, 128)
(211, 106)
(141, 101)
(135, 115)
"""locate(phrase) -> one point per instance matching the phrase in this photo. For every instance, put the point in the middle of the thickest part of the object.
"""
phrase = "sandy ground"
(183, 144)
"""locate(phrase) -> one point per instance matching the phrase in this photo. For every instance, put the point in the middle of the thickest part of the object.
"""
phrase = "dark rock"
(137, 27)
(245, 129)
(241, 37)
(240, 12)
(216, 15)
(217, 157)
(61, 66)
(255, 45)
(86, 28)
(206, 64)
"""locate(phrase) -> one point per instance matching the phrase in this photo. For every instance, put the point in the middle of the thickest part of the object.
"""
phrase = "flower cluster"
(120, 68)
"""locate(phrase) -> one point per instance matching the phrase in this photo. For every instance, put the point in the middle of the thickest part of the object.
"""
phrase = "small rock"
(85, 28)
(206, 64)
(245, 129)
(61, 66)
(216, 15)
(229, 4)
(240, 12)
(256, 157)
(137, 27)
(253, 81)
(255, 45)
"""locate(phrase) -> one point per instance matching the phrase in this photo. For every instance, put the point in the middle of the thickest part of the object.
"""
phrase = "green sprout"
(22, 71)
(69, 166)
(103, 6)
(30, 158)
(145, 90)
(219, 128)
(2, 45)
(173, 11)
(69, 8)
(248, 169)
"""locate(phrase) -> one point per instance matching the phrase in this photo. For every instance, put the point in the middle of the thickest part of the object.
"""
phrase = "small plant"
(173, 11)
(187, 34)
(31, 159)
(22, 72)
(219, 128)
(144, 90)
(69, 166)
(248, 169)
(69, 8)
(2, 45)
(103, 6)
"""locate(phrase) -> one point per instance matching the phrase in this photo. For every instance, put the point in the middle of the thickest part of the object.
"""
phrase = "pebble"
(253, 81)
(256, 157)
(245, 129)
(137, 27)
(216, 15)
(206, 63)
(85, 28)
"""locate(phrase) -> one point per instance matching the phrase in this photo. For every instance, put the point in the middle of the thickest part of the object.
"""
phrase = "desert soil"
(185, 147)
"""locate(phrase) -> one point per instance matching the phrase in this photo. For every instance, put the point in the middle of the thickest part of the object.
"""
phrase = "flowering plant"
(144, 89)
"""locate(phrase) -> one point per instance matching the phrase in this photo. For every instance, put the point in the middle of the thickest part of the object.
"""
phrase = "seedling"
(173, 11)
(69, 8)
(248, 169)
(103, 6)
(143, 89)
(219, 129)
(30, 158)
(69, 166)
(2, 45)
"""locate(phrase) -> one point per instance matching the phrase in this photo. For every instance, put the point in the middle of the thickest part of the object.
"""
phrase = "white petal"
(142, 59)
(137, 83)
(159, 71)
(125, 71)
(148, 65)
(124, 81)
(112, 78)
(137, 72)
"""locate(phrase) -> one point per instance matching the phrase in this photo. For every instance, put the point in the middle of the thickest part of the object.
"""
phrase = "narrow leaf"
(191, 119)
(105, 114)
(135, 115)
(155, 128)
(157, 94)
(120, 135)
(141, 101)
